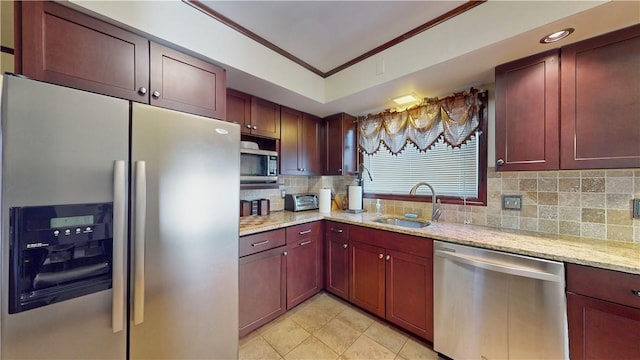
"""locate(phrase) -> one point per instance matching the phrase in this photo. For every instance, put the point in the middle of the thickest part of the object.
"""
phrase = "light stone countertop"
(604, 254)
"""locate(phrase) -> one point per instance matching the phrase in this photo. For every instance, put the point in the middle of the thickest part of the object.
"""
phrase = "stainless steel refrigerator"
(119, 228)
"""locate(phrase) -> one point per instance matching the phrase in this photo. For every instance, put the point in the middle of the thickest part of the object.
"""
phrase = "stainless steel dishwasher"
(494, 305)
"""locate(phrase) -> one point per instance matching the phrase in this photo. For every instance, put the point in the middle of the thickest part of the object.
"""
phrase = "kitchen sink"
(410, 223)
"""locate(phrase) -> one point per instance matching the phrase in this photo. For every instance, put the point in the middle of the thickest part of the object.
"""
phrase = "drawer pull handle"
(260, 243)
(305, 243)
(635, 292)
(305, 232)
(339, 231)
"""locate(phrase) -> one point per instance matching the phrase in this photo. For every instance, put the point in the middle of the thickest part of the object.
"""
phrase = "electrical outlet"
(511, 202)
(636, 208)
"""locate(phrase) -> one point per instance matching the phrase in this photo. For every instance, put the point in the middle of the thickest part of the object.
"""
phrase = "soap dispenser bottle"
(378, 207)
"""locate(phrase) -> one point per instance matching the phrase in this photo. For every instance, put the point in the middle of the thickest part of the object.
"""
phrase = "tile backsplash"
(588, 203)
(296, 185)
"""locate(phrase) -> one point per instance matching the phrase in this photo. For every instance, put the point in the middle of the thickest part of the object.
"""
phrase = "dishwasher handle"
(511, 269)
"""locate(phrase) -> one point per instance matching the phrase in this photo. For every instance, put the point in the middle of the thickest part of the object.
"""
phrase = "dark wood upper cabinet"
(239, 109)
(184, 83)
(601, 102)
(527, 113)
(289, 162)
(585, 118)
(310, 145)
(300, 143)
(265, 118)
(65, 47)
(341, 145)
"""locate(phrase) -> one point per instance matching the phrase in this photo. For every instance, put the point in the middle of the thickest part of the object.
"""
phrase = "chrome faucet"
(435, 203)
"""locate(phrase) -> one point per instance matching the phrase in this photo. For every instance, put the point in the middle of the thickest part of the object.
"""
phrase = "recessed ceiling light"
(556, 36)
(405, 99)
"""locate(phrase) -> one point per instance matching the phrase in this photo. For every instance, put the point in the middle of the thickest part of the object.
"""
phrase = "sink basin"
(410, 223)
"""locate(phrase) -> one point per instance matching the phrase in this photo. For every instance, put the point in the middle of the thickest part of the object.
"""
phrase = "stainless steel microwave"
(258, 166)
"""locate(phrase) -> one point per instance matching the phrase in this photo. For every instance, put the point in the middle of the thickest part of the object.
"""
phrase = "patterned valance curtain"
(453, 119)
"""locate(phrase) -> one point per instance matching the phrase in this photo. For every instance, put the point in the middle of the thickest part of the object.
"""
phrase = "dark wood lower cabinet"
(262, 288)
(409, 292)
(367, 271)
(305, 275)
(391, 276)
(601, 329)
(603, 311)
(337, 271)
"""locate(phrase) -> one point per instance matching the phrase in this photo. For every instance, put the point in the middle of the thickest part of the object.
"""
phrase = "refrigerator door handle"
(139, 241)
(119, 210)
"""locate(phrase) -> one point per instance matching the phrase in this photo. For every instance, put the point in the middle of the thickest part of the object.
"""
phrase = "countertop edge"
(610, 255)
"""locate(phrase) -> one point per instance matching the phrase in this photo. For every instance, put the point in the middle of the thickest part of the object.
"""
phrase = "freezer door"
(58, 147)
(185, 266)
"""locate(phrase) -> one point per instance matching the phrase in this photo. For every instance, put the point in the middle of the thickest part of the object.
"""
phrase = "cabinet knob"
(254, 127)
(500, 162)
(339, 171)
(248, 126)
(156, 94)
(388, 257)
(345, 246)
(284, 253)
(142, 90)
(635, 292)
(380, 256)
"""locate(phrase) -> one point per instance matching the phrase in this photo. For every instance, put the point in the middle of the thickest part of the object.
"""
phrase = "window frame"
(481, 200)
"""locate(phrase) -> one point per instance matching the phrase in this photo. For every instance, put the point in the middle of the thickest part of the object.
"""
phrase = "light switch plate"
(511, 202)
(636, 208)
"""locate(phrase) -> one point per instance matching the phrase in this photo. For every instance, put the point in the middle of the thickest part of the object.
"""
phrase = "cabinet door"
(337, 258)
(289, 154)
(341, 146)
(304, 268)
(409, 292)
(262, 288)
(65, 47)
(309, 145)
(527, 113)
(366, 273)
(239, 109)
(602, 330)
(600, 102)
(184, 83)
(265, 118)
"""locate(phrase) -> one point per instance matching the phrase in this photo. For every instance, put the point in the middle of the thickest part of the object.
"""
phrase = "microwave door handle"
(119, 210)
(139, 241)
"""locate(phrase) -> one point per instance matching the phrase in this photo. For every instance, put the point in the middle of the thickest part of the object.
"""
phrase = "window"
(458, 175)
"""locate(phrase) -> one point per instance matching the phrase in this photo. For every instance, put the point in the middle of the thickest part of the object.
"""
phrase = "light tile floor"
(325, 327)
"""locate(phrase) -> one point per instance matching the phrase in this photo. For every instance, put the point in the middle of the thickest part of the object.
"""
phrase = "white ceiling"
(327, 34)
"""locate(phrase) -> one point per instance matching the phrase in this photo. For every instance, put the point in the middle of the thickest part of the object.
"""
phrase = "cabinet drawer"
(614, 286)
(409, 244)
(337, 230)
(252, 244)
(303, 231)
